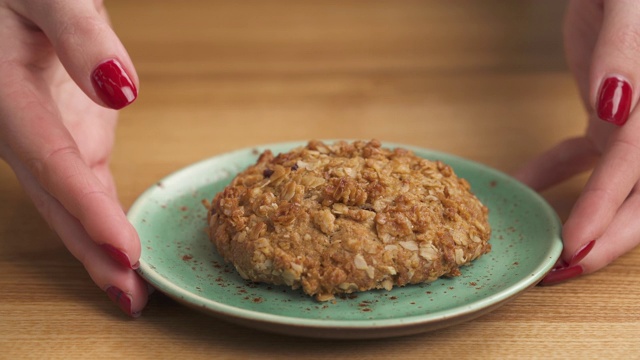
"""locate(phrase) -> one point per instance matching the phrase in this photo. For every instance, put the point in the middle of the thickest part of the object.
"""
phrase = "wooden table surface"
(485, 80)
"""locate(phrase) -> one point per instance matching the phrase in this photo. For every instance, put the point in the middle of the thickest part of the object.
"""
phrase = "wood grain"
(484, 80)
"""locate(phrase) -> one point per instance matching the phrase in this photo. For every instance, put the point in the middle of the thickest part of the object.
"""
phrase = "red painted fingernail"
(614, 100)
(562, 274)
(113, 85)
(581, 253)
(118, 255)
(122, 299)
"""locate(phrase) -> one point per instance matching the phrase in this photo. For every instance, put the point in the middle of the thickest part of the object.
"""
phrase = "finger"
(609, 185)
(581, 29)
(569, 158)
(616, 58)
(103, 173)
(621, 236)
(88, 48)
(122, 285)
(33, 129)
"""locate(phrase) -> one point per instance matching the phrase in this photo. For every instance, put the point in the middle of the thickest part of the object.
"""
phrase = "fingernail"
(122, 299)
(581, 253)
(559, 275)
(119, 256)
(113, 85)
(614, 100)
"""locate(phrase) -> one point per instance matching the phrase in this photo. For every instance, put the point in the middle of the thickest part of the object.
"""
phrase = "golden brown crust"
(347, 217)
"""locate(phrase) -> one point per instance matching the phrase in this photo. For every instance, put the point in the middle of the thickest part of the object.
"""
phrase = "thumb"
(88, 48)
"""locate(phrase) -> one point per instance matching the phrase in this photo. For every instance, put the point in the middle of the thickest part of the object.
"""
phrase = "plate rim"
(232, 313)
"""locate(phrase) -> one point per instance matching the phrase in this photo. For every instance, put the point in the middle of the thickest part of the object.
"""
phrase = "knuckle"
(93, 195)
(45, 207)
(629, 145)
(627, 152)
(605, 195)
(74, 33)
(627, 41)
(44, 167)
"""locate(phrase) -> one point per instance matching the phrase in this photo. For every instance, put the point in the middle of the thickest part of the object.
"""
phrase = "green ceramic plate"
(178, 259)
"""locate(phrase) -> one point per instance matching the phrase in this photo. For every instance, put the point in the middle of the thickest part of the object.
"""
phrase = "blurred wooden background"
(485, 80)
(482, 79)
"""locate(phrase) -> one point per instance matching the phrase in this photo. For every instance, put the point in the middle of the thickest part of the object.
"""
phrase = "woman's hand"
(63, 71)
(602, 42)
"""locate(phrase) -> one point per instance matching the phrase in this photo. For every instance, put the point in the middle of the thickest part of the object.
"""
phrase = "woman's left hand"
(63, 74)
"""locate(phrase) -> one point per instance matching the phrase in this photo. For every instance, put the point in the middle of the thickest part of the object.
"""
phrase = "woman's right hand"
(602, 43)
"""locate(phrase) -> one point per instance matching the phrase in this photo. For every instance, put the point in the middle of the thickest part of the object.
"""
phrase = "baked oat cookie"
(347, 217)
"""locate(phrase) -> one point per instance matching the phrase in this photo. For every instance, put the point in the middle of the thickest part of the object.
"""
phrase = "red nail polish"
(581, 253)
(614, 101)
(117, 255)
(113, 85)
(122, 299)
(563, 274)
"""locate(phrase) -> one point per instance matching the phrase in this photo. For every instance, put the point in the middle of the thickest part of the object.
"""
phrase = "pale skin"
(57, 132)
